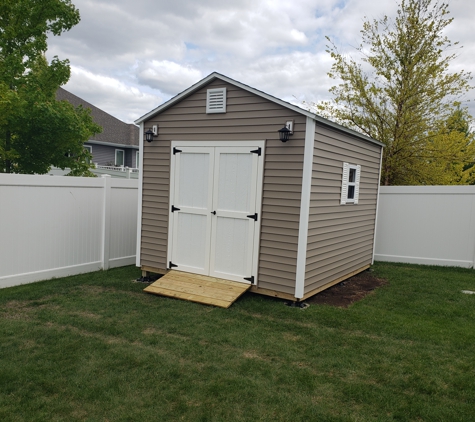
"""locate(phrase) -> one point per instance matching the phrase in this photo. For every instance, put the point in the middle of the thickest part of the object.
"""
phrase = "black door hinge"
(172, 265)
(175, 208)
(253, 216)
(257, 151)
(251, 279)
(176, 150)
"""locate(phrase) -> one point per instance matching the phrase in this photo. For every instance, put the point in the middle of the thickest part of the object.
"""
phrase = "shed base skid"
(147, 270)
(274, 293)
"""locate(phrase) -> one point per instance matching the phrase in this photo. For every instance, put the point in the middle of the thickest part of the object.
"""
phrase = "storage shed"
(222, 196)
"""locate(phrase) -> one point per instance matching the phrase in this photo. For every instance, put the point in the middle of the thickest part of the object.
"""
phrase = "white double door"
(214, 218)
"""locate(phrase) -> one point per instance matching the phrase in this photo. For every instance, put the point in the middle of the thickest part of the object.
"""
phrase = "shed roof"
(114, 131)
(216, 75)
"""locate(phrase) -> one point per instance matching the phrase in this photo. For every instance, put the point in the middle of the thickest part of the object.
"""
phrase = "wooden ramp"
(198, 288)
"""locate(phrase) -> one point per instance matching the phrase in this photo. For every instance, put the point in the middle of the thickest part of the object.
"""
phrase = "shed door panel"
(234, 198)
(192, 195)
(215, 190)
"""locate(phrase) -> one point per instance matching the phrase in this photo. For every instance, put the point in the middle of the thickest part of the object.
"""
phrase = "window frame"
(346, 184)
(123, 158)
(137, 157)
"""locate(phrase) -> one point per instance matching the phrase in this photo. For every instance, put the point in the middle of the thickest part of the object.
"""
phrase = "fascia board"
(110, 144)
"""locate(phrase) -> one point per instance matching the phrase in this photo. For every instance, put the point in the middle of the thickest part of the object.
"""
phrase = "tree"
(36, 131)
(402, 94)
(450, 151)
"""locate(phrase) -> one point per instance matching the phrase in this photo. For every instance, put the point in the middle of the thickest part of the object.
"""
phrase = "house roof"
(269, 97)
(114, 131)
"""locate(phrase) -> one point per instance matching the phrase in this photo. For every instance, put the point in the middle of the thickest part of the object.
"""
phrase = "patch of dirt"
(23, 310)
(85, 314)
(348, 291)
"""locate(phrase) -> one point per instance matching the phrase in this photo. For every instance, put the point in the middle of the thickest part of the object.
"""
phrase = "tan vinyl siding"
(340, 237)
(247, 117)
(156, 180)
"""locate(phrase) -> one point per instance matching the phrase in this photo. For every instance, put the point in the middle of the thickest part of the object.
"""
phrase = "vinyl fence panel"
(57, 226)
(433, 225)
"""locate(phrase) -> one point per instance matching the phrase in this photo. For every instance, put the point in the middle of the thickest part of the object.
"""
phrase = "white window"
(350, 186)
(137, 159)
(216, 100)
(119, 157)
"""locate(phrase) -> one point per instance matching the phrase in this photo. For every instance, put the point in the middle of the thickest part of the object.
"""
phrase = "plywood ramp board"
(198, 288)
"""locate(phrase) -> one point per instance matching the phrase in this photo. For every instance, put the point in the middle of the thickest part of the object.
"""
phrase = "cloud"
(166, 76)
(122, 101)
(294, 77)
(153, 49)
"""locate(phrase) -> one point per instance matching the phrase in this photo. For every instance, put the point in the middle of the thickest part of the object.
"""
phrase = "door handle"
(213, 212)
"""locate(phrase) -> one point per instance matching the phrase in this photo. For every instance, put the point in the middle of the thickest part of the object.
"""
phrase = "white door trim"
(223, 143)
(258, 186)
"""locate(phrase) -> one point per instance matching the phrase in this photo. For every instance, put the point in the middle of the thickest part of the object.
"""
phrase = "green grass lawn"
(95, 348)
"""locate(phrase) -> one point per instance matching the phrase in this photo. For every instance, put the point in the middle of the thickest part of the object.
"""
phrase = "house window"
(119, 157)
(216, 100)
(137, 159)
(350, 186)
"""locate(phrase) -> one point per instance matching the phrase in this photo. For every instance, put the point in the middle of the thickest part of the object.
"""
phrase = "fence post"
(128, 170)
(106, 221)
(473, 229)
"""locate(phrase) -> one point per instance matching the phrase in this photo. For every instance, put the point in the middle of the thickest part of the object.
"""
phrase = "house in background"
(117, 145)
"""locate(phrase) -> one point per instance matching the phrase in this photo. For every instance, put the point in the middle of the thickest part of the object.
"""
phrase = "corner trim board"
(305, 208)
(140, 195)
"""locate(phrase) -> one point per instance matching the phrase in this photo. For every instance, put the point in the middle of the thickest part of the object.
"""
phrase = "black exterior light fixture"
(151, 133)
(286, 131)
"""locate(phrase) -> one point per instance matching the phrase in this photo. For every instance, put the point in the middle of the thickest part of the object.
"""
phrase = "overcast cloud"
(127, 57)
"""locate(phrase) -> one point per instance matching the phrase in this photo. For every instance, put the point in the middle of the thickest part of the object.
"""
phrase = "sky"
(128, 57)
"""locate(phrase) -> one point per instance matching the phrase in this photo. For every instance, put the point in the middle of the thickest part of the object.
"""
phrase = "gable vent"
(216, 100)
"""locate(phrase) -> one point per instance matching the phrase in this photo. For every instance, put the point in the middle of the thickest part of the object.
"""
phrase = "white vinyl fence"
(58, 226)
(433, 225)
(122, 172)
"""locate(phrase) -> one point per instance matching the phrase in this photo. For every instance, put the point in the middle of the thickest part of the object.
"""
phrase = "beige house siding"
(248, 117)
(155, 194)
(340, 237)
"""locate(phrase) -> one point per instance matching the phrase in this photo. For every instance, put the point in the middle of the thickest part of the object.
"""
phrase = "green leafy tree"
(450, 152)
(36, 131)
(402, 93)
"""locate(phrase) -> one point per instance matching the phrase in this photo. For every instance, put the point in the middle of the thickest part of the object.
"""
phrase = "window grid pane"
(351, 192)
(352, 177)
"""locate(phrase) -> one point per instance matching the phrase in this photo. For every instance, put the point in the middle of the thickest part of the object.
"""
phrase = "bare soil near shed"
(348, 291)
